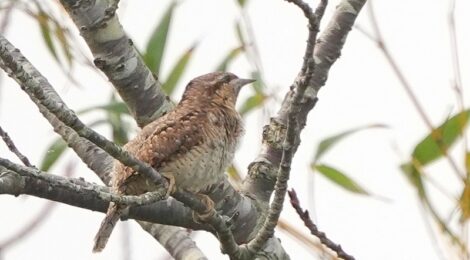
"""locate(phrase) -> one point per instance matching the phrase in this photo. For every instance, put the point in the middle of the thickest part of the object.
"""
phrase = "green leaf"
(115, 107)
(43, 21)
(467, 162)
(157, 42)
(61, 37)
(240, 36)
(258, 85)
(242, 2)
(53, 153)
(229, 58)
(177, 71)
(118, 126)
(234, 175)
(339, 178)
(414, 176)
(464, 203)
(440, 139)
(252, 102)
(327, 143)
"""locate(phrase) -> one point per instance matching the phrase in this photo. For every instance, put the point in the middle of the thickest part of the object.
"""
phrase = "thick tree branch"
(17, 180)
(116, 56)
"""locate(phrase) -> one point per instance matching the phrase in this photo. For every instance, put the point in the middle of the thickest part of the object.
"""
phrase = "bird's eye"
(226, 78)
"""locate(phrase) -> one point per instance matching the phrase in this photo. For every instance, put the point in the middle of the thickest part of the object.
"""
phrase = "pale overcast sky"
(361, 90)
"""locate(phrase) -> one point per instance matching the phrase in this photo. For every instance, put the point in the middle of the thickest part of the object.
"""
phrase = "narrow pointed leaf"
(62, 38)
(328, 143)
(467, 162)
(414, 176)
(240, 36)
(177, 71)
(252, 103)
(53, 153)
(464, 203)
(118, 126)
(157, 42)
(43, 21)
(116, 107)
(440, 139)
(242, 2)
(229, 58)
(340, 179)
(234, 175)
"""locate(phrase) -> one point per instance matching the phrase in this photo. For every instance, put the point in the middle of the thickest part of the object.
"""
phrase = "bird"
(191, 146)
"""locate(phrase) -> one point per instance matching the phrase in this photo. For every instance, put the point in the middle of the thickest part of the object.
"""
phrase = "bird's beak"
(239, 83)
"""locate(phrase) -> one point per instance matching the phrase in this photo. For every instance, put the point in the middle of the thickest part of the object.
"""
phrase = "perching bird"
(191, 146)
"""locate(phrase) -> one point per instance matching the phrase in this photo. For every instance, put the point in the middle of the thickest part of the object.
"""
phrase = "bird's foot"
(171, 185)
(209, 212)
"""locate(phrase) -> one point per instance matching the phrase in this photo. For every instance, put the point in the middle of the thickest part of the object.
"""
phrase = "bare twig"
(292, 132)
(313, 228)
(13, 148)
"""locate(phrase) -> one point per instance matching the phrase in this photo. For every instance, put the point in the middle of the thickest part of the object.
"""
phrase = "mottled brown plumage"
(191, 146)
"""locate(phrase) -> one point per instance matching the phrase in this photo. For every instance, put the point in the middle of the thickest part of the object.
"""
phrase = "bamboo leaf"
(256, 100)
(177, 71)
(43, 21)
(240, 36)
(414, 176)
(234, 175)
(328, 143)
(53, 153)
(464, 203)
(440, 139)
(242, 2)
(115, 107)
(62, 38)
(229, 58)
(157, 42)
(339, 178)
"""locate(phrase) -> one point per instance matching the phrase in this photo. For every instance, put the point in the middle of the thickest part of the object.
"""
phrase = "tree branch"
(116, 56)
(16, 179)
(22, 71)
(263, 172)
(6, 138)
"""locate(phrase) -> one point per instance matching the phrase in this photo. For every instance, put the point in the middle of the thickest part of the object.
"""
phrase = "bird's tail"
(107, 226)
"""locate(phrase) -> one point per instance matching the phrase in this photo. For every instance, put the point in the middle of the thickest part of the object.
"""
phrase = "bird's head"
(219, 88)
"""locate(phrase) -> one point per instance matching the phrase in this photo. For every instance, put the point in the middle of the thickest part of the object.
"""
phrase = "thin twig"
(298, 90)
(457, 84)
(6, 138)
(313, 228)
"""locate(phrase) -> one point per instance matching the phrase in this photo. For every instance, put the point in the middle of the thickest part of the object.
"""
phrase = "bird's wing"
(171, 135)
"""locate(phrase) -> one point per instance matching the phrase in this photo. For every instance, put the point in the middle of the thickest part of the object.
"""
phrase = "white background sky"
(362, 89)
